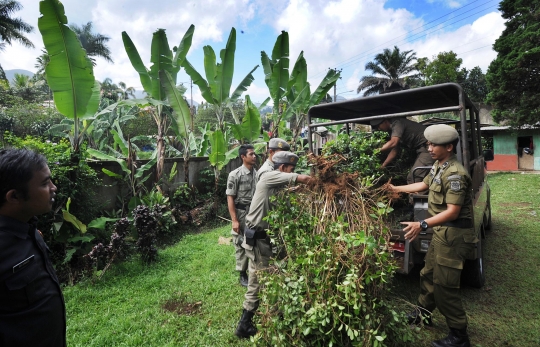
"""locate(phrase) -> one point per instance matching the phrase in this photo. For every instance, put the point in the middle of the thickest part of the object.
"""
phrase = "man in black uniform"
(32, 309)
(404, 132)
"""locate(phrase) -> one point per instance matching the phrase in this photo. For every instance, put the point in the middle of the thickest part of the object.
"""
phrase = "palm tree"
(391, 71)
(12, 29)
(93, 43)
(110, 90)
(125, 91)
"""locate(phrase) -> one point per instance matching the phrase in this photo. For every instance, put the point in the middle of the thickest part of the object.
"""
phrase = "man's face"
(287, 168)
(439, 152)
(41, 193)
(384, 126)
(250, 157)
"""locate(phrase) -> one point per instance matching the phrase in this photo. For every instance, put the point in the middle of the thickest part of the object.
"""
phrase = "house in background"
(513, 149)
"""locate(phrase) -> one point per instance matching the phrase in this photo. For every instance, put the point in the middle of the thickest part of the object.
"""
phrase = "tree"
(12, 29)
(93, 43)
(514, 76)
(110, 90)
(391, 71)
(444, 68)
(475, 85)
(125, 91)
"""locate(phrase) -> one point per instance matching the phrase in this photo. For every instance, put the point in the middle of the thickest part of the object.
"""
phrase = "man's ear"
(12, 196)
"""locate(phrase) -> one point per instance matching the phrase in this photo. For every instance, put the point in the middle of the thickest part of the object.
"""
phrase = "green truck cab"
(432, 100)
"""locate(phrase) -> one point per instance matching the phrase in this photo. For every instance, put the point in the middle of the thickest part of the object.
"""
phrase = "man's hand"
(412, 230)
(236, 226)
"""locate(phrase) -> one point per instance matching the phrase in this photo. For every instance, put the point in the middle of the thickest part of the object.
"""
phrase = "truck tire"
(473, 273)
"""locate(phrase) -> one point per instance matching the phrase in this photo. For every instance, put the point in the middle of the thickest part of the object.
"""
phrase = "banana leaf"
(176, 100)
(103, 156)
(227, 68)
(206, 92)
(281, 47)
(137, 62)
(243, 86)
(218, 149)
(210, 70)
(251, 123)
(328, 82)
(69, 72)
(298, 79)
(161, 57)
(183, 49)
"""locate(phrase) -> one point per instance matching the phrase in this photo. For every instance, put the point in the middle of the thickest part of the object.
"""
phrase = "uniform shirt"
(32, 309)
(449, 184)
(410, 133)
(266, 167)
(270, 183)
(241, 184)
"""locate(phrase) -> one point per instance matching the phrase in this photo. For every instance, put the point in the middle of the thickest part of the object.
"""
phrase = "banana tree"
(69, 72)
(162, 59)
(216, 91)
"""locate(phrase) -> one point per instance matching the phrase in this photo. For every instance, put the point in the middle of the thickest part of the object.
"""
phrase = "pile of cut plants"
(329, 285)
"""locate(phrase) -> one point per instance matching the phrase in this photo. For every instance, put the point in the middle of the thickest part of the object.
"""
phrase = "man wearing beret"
(411, 135)
(256, 241)
(275, 145)
(240, 189)
(454, 238)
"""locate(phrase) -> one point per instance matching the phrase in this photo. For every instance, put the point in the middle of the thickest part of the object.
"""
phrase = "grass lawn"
(191, 297)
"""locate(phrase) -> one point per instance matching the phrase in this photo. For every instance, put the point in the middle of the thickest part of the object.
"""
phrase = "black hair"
(454, 144)
(17, 167)
(277, 165)
(242, 151)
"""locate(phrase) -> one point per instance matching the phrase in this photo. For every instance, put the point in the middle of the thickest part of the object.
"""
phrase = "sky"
(341, 34)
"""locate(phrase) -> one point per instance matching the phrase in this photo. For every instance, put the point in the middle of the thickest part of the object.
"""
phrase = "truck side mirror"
(488, 155)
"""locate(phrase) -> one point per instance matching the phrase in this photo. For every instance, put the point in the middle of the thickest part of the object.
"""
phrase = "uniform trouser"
(260, 259)
(240, 253)
(422, 159)
(440, 277)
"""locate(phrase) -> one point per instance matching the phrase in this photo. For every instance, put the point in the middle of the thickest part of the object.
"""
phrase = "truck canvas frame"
(437, 99)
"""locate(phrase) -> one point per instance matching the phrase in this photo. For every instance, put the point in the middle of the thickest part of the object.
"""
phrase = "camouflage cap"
(277, 143)
(285, 157)
(375, 122)
(440, 134)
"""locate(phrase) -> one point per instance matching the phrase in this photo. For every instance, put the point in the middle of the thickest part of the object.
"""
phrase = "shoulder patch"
(230, 185)
(454, 177)
(455, 185)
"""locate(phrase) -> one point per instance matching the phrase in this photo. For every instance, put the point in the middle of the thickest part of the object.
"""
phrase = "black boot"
(455, 338)
(419, 315)
(245, 327)
(243, 278)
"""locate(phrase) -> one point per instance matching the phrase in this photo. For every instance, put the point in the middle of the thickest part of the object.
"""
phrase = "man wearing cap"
(410, 134)
(256, 241)
(240, 189)
(450, 207)
(275, 145)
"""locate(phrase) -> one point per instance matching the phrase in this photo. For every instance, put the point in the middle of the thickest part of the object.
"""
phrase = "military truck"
(431, 100)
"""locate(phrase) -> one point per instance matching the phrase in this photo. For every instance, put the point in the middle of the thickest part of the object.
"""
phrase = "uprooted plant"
(331, 285)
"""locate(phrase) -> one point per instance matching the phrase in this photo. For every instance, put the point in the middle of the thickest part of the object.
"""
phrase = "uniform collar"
(245, 170)
(15, 227)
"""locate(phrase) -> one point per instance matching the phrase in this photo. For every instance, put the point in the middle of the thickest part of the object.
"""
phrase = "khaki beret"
(277, 143)
(440, 134)
(375, 122)
(285, 157)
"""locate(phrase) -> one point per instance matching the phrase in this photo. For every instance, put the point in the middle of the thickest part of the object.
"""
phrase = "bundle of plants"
(330, 286)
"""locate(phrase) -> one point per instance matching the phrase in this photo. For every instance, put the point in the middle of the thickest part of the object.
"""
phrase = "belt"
(241, 207)
(463, 223)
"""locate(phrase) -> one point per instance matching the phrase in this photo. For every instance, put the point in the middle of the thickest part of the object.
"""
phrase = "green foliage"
(513, 77)
(359, 151)
(332, 287)
(445, 67)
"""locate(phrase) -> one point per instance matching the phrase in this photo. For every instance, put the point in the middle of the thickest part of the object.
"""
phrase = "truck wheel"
(487, 217)
(473, 273)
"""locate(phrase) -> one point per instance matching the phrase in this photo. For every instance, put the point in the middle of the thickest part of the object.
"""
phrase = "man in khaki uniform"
(411, 135)
(240, 189)
(275, 145)
(256, 242)
(450, 207)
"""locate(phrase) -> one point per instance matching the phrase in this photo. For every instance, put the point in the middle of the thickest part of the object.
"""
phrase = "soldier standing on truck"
(408, 133)
(240, 189)
(275, 145)
(454, 238)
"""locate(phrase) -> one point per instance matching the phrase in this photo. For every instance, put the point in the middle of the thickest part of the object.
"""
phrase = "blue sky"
(343, 34)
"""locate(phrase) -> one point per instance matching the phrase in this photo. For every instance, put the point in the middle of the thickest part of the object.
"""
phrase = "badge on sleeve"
(230, 186)
(455, 185)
